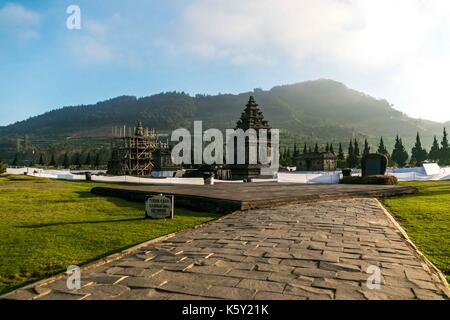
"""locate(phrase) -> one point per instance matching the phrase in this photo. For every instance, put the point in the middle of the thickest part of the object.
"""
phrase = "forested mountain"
(309, 112)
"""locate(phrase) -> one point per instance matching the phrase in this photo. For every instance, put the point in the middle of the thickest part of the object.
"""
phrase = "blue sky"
(397, 50)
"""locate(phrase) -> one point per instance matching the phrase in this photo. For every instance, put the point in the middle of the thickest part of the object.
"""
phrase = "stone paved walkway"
(306, 251)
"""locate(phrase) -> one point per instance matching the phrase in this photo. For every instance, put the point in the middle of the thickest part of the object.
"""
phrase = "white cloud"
(403, 44)
(19, 22)
(112, 41)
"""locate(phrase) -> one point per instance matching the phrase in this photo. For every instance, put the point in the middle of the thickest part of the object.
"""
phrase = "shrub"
(2, 167)
(384, 180)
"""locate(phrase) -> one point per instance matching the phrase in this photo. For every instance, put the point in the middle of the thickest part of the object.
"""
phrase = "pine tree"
(444, 154)
(418, 154)
(382, 148)
(97, 160)
(356, 149)
(331, 148)
(41, 160)
(351, 158)
(296, 152)
(65, 162)
(309, 149)
(399, 154)
(316, 148)
(52, 162)
(77, 160)
(88, 160)
(434, 151)
(341, 153)
(327, 148)
(366, 148)
(15, 162)
(2, 167)
(305, 150)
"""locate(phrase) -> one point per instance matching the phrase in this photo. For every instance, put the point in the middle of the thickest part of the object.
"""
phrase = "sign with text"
(159, 207)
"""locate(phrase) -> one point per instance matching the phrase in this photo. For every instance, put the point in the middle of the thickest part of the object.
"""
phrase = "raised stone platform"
(229, 197)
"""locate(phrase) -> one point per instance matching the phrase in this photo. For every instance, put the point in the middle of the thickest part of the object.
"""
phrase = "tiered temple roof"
(252, 117)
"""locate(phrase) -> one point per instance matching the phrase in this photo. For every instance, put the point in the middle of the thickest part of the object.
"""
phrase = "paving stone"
(209, 270)
(230, 293)
(258, 275)
(106, 291)
(309, 292)
(265, 295)
(349, 294)
(338, 267)
(143, 282)
(314, 272)
(261, 285)
(424, 294)
(59, 295)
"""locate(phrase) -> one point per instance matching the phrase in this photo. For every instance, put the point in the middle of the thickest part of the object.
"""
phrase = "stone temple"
(251, 118)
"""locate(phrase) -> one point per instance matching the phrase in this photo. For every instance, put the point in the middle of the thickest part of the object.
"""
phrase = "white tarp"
(309, 178)
(431, 169)
(67, 175)
(428, 172)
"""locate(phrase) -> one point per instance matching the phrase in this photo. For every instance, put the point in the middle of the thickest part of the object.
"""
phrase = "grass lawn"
(47, 225)
(426, 218)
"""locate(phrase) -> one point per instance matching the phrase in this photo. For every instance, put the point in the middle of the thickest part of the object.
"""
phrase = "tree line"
(92, 160)
(439, 152)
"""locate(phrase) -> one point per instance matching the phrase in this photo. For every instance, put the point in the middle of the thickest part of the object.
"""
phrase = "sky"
(396, 50)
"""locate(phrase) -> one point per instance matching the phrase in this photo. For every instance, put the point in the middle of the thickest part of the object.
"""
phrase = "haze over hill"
(308, 112)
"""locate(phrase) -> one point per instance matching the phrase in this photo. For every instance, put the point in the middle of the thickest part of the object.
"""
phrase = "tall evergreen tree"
(16, 160)
(418, 154)
(331, 149)
(305, 150)
(366, 147)
(444, 154)
(434, 151)
(97, 161)
(382, 148)
(327, 148)
(66, 162)
(77, 160)
(351, 157)
(356, 149)
(341, 155)
(316, 148)
(41, 160)
(296, 151)
(309, 149)
(88, 160)
(52, 161)
(2, 166)
(399, 154)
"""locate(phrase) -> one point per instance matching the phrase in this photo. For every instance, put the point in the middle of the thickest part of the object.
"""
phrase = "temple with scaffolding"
(133, 151)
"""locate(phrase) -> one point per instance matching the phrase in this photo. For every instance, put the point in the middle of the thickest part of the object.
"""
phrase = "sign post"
(159, 207)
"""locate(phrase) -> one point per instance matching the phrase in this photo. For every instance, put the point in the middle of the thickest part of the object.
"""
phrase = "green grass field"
(426, 219)
(47, 225)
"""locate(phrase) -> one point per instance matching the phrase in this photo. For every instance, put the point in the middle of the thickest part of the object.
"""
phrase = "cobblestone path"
(318, 250)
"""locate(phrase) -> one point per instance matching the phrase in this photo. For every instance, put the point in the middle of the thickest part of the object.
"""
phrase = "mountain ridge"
(320, 111)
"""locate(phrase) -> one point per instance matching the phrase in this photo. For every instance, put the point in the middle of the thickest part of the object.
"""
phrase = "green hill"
(309, 112)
